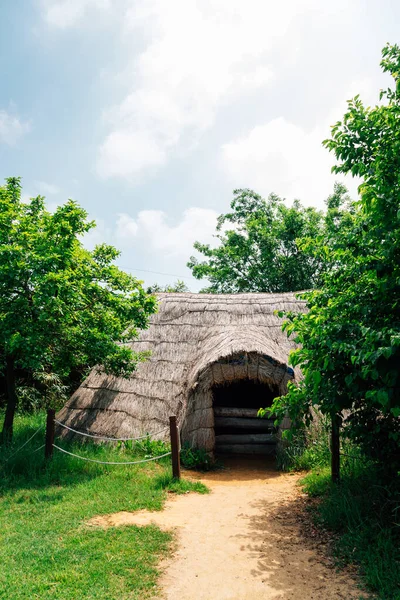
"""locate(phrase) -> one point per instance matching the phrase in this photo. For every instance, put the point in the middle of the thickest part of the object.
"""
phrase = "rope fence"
(173, 431)
(109, 439)
(49, 444)
(100, 462)
(25, 444)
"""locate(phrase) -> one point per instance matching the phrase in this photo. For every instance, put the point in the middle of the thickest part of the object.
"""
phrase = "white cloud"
(188, 61)
(46, 188)
(152, 229)
(126, 226)
(67, 13)
(290, 160)
(281, 157)
(197, 57)
(125, 153)
(257, 78)
(12, 129)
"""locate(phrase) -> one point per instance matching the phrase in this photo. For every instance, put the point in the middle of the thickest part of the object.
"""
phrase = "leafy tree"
(258, 250)
(338, 217)
(177, 287)
(350, 337)
(61, 306)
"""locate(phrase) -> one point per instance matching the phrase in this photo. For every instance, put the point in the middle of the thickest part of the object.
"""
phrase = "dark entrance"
(238, 430)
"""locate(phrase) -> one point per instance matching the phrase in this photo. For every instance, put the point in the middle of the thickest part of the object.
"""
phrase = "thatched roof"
(192, 340)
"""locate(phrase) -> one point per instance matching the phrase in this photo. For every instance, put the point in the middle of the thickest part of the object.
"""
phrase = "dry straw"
(196, 341)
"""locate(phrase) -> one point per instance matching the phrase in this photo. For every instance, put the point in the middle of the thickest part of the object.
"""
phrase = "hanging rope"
(100, 462)
(101, 437)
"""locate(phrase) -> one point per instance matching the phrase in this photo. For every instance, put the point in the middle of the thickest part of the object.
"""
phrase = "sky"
(149, 113)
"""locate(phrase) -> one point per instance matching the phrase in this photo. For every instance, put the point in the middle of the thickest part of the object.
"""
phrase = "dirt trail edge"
(243, 541)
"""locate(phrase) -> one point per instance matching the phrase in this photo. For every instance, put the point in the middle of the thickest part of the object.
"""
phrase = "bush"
(150, 448)
(196, 458)
(30, 399)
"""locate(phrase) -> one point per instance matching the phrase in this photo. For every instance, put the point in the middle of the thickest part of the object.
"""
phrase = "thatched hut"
(215, 360)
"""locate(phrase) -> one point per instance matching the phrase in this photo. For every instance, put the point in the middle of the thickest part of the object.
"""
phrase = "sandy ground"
(249, 539)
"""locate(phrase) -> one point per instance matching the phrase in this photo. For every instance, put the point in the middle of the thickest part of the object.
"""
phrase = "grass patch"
(307, 449)
(364, 515)
(46, 551)
(198, 459)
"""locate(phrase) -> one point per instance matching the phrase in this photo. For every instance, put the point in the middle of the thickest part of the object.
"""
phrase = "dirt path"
(243, 541)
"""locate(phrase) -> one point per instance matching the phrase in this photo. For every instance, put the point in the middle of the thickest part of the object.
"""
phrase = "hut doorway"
(238, 430)
(221, 414)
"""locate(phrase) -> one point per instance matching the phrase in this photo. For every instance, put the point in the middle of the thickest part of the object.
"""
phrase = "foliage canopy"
(350, 336)
(258, 250)
(178, 287)
(61, 306)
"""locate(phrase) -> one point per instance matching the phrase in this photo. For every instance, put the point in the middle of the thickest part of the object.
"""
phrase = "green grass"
(363, 513)
(47, 550)
(307, 449)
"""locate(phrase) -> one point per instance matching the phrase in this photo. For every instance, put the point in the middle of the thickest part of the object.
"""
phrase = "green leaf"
(317, 377)
(63, 308)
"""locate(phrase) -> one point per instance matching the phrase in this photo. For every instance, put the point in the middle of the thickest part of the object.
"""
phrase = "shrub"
(147, 447)
(196, 458)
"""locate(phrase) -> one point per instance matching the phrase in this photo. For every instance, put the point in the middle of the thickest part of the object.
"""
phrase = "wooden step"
(227, 411)
(249, 438)
(242, 423)
(265, 449)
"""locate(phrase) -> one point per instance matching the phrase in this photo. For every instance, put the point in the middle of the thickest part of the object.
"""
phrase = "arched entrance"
(221, 414)
(238, 429)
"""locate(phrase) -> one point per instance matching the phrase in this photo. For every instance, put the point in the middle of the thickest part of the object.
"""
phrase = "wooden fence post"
(50, 430)
(176, 465)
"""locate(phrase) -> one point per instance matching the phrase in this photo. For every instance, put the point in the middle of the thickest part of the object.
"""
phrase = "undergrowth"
(363, 511)
(196, 458)
(307, 449)
(46, 549)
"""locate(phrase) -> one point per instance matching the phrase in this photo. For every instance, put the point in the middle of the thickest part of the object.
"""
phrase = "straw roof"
(196, 341)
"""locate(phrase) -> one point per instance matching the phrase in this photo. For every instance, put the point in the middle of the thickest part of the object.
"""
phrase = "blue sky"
(149, 113)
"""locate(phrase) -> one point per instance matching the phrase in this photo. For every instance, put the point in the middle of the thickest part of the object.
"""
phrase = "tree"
(177, 287)
(350, 337)
(258, 250)
(61, 306)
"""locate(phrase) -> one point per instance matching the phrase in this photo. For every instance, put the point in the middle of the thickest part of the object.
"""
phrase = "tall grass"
(46, 548)
(363, 511)
(307, 449)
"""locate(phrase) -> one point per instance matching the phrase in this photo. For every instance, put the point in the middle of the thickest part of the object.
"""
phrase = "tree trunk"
(335, 448)
(7, 432)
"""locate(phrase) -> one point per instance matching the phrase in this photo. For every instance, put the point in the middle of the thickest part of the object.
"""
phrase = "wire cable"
(100, 437)
(25, 443)
(40, 448)
(100, 462)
